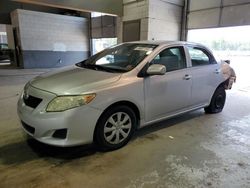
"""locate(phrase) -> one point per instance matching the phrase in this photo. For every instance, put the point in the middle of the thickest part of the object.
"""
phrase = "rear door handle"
(187, 77)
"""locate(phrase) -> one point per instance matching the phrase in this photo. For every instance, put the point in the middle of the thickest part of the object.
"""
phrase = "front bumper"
(79, 123)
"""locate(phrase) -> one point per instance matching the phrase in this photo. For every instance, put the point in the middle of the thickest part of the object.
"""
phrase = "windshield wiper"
(99, 67)
(96, 67)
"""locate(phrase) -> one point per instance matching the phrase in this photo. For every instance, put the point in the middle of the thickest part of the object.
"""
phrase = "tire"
(115, 128)
(217, 102)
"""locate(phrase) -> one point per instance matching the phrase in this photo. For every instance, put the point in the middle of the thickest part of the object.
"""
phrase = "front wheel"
(115, 127)
(217, 102)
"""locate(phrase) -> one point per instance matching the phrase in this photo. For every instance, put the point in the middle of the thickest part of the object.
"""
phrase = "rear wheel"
(115, 127)
(217, 102)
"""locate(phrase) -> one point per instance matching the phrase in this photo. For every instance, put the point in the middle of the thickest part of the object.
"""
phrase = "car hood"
(74, 80)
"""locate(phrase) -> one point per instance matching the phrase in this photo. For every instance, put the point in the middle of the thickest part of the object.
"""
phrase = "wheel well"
(224, 84)
(123, 103)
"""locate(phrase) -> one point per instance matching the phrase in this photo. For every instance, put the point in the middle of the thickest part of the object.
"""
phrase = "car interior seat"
(169, 59)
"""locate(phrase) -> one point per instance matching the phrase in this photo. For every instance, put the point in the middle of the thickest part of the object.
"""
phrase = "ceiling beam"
(111, 7)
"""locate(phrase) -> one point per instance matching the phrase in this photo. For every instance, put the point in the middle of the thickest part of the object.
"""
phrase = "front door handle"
(217, 71)
(187, 77)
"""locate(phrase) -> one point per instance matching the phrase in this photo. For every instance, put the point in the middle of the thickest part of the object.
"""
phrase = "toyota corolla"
(120, 89)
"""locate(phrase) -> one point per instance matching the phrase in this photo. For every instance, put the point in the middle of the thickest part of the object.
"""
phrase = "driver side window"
(172, 58)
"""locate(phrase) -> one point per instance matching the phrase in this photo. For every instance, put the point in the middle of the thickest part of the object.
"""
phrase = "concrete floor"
(193, 150)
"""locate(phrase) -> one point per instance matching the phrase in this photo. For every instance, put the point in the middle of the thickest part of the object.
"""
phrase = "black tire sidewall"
(99, 133)
(212, 108)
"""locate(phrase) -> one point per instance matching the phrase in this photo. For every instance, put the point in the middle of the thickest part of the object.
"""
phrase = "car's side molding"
(143, 124)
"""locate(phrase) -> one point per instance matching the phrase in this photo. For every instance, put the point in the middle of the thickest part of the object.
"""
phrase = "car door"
(167, 94)
(205, 75)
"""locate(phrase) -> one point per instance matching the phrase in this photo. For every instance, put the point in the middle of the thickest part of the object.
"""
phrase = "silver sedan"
(108, 96)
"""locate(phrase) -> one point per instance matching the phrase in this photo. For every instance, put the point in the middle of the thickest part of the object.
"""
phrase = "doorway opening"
(228, 43)
(131, 30)
(103, 31)
(5, 51)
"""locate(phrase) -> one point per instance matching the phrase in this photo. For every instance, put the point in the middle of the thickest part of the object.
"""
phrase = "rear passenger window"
(171, 58)
(199, 57)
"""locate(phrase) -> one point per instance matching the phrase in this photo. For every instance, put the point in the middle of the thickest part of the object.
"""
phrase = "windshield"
(121, 58)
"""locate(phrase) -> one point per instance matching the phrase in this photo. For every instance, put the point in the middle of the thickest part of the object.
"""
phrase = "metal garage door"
(218, 13)
(131, 31)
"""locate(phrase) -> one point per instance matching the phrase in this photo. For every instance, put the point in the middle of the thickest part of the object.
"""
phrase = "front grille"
(31, 101)
(28, 128)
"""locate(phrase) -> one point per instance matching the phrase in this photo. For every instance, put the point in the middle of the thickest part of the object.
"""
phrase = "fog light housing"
(60, 133)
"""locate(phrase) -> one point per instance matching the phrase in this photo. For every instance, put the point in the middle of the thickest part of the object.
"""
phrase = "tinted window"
(171, 58)
(199, 56)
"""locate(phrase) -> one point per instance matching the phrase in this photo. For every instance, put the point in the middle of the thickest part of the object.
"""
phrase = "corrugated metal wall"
(218, 13)
(50, 40)
(103, 27)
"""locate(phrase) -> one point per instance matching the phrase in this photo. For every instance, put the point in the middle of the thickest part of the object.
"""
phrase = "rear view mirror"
(156, 69)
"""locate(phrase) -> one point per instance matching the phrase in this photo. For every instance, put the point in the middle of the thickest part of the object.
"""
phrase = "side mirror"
(156, 69)
(227, 61)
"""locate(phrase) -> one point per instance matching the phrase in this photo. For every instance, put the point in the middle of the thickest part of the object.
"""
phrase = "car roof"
(166, 42)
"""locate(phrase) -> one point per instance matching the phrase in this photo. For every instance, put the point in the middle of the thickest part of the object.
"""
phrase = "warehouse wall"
(50, 40)
(218, 13)
(137, 10)
(10, 37)
(165, 17)
(160, 19)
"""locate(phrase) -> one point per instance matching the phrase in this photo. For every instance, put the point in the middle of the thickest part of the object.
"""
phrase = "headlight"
(62, 103)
